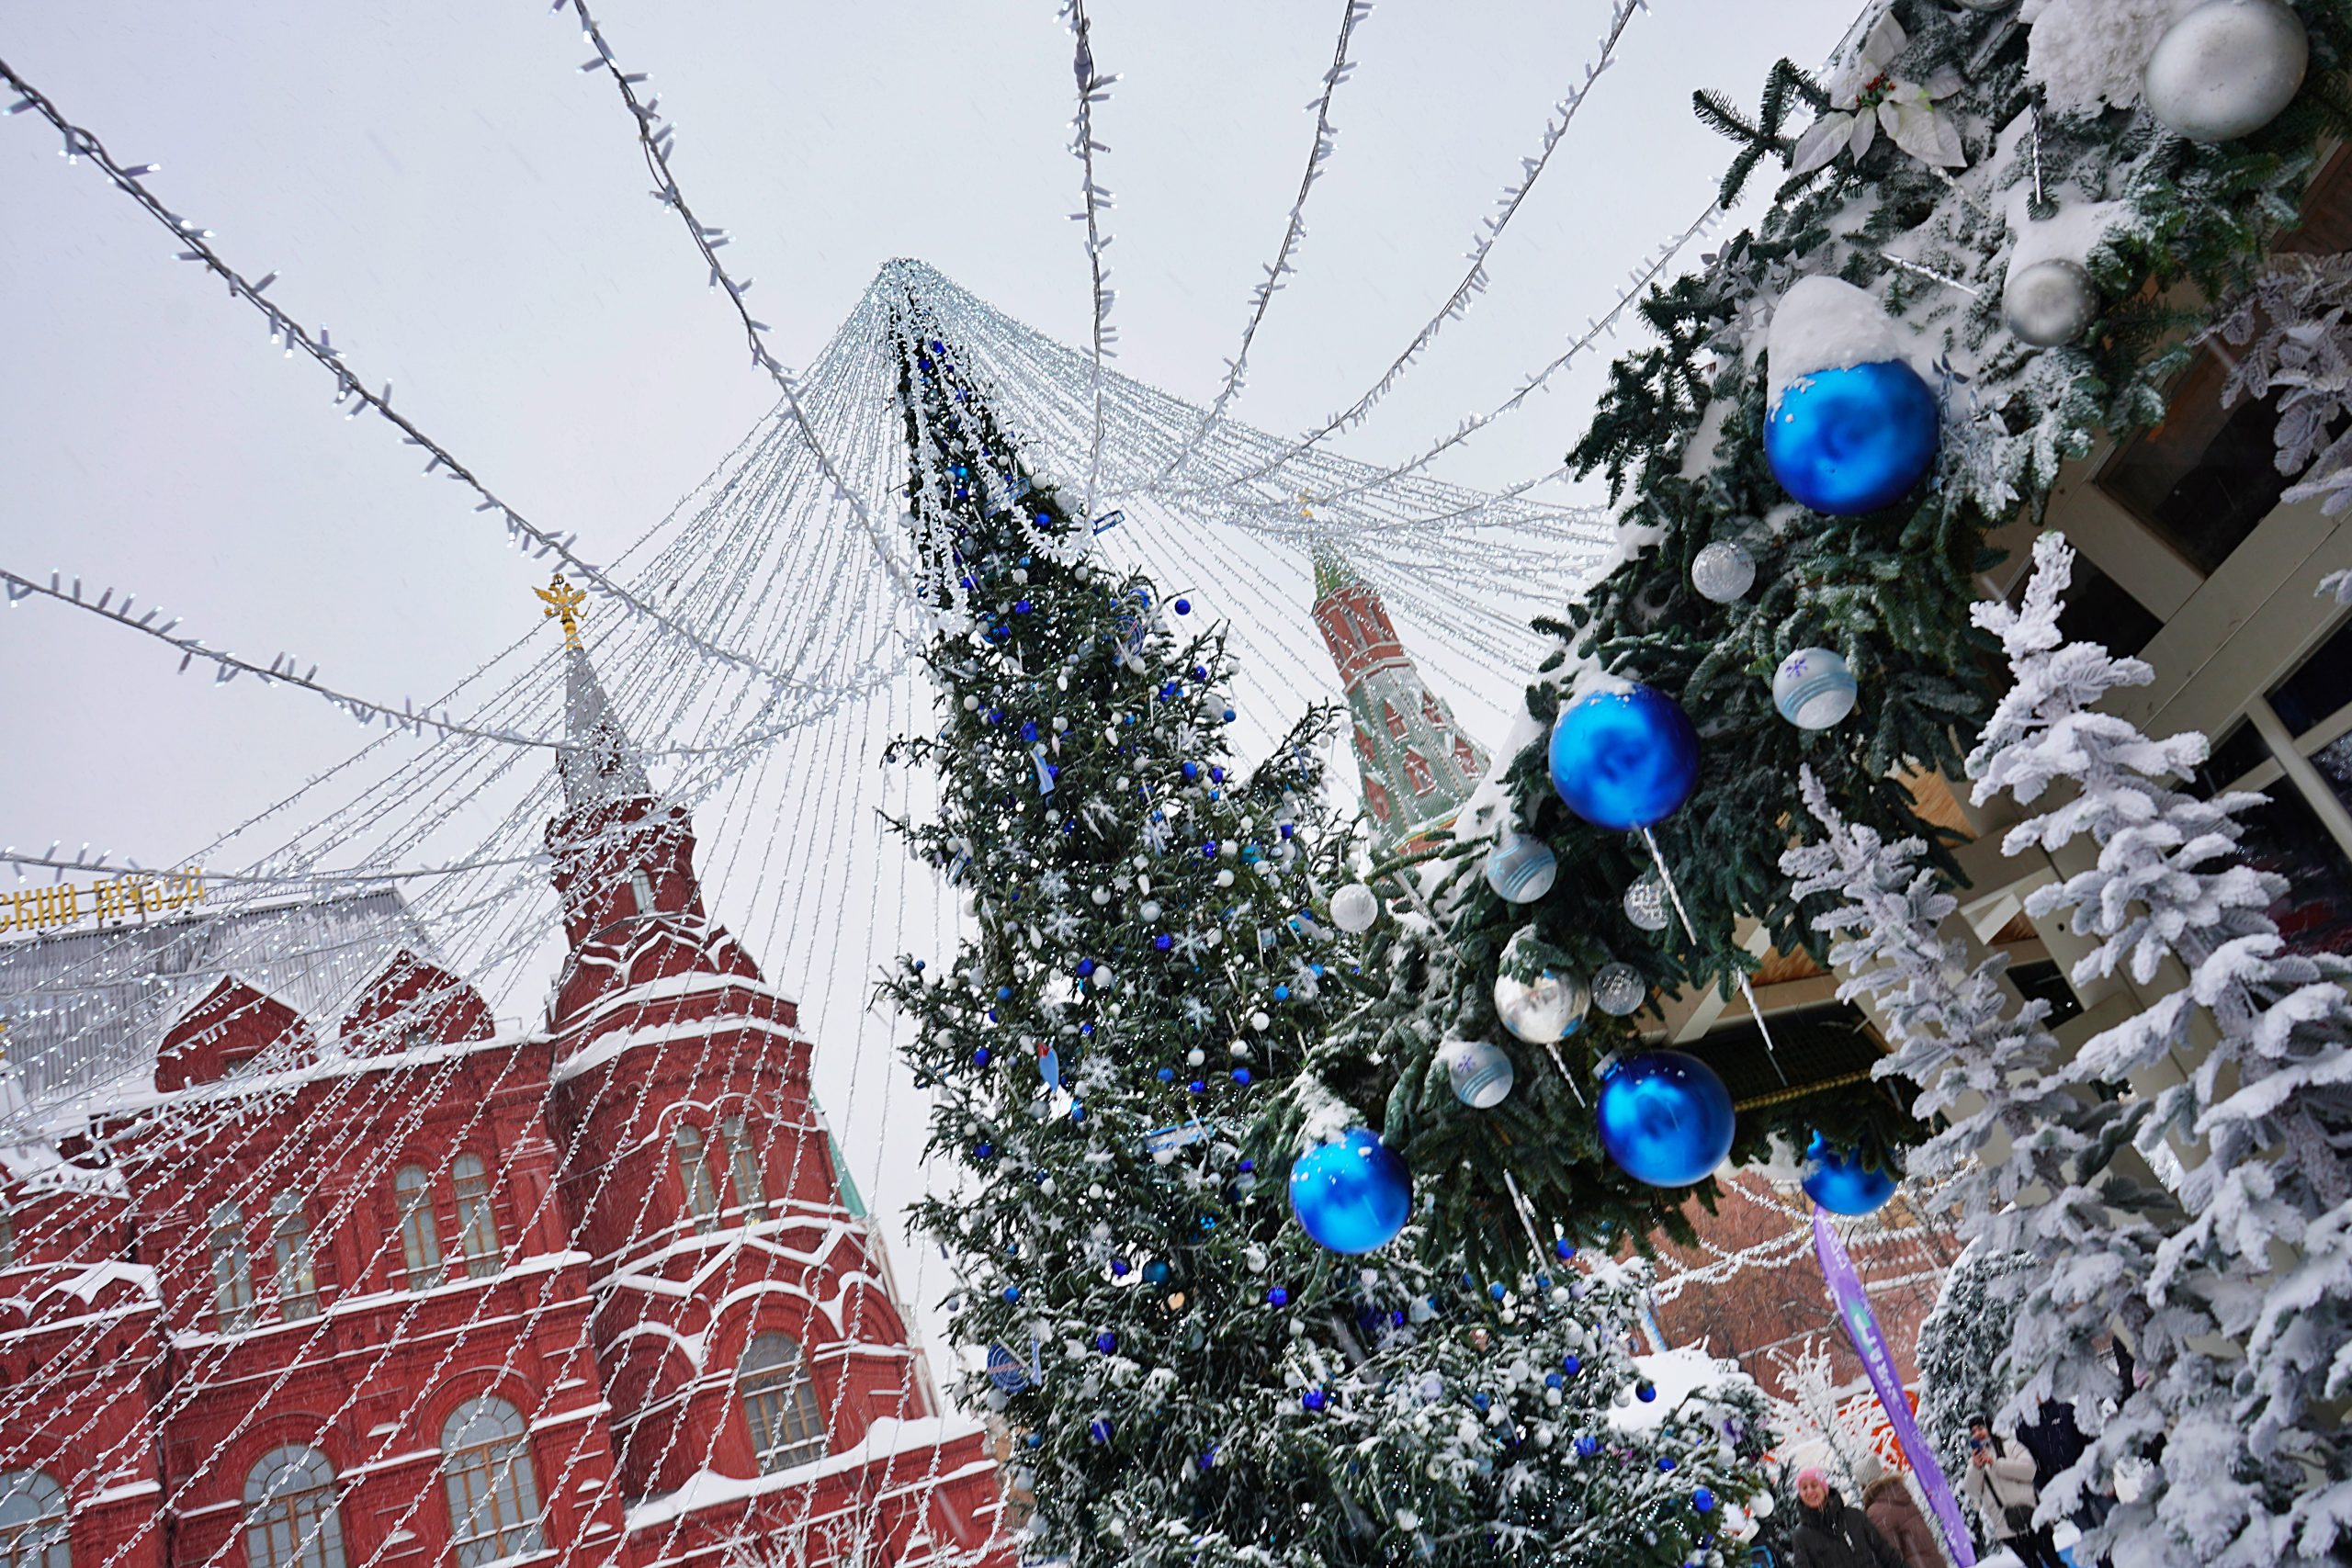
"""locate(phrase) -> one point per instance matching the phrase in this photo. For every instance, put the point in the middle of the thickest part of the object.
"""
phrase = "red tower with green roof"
(1418, 764)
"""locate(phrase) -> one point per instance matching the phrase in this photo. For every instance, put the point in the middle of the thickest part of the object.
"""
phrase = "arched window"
(1364, 745)
(7, 1241)
(477, 1222)
(420, 1236)
(693, 1172)
(290, 1519)
(33, 1532)
(1377, 798)
(291, 1258)
(232, 1269)
(1466, 756)
(1431, 711)
(779, 1404)
(1394, 720)
(743, 1165)
(494, 1497)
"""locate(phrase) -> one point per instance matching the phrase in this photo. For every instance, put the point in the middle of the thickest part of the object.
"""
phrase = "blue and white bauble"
(1480, 1073)
(1849, 427)
(1521, 868)
(1665, 1118)
(1813, 688)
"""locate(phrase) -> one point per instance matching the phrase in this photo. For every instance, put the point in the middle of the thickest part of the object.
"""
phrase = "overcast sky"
(440, 186)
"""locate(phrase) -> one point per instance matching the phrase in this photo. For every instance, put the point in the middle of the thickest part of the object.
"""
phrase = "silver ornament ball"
(1646, 904)
(1354, 908)
(2049, 303)
(1618, 990)
(2226, 69)
(1481, 1074)
(1722, 571)
(1550, 1006)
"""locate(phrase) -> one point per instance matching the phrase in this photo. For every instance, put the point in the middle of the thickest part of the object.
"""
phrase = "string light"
(1262, 296)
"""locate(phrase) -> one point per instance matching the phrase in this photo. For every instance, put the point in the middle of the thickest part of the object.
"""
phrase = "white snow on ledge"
(887, 1437)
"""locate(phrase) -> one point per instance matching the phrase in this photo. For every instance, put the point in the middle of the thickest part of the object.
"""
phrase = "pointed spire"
(598, 764)
(1332, 571)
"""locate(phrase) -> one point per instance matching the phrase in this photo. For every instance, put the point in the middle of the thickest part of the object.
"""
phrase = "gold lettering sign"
(109, 902)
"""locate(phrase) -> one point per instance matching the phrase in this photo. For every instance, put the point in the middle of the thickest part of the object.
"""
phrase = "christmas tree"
(1947, 153)
(2263, 1124)
(1191, 1379)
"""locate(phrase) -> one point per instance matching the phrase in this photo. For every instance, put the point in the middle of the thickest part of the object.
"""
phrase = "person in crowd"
(1888, 1503)
(2000, 1482)
(2056, 1442)
(1831, 1535)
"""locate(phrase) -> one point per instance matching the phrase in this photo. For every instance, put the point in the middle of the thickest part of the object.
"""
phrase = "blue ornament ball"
(1521, 869)
(1841, 1183)
(1849, 440)
(1665, 1118)
(1351, 1196)
(1624, 759)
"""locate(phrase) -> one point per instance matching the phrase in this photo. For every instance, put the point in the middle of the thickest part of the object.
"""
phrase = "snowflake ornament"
(1882, 101)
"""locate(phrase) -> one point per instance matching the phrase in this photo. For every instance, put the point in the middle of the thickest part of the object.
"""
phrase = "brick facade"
(505, 1291)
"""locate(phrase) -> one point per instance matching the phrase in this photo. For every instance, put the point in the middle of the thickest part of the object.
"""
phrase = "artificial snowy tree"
(2262, 1121)
(1192, 1381)
(1963, 1347)
(2025, 1162)
(1947, 148)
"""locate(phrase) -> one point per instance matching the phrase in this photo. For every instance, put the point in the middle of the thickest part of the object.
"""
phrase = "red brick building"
(352, 1276)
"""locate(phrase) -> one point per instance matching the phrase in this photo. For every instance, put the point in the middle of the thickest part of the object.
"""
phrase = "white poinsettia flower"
(1879, 100)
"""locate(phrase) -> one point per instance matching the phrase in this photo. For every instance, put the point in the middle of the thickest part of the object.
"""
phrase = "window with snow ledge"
(290, 1516)
(420, 1235)
(291, 1261)
(779, 1404)
(33, 1528)
(493, 1493)
(694, 1175)
(477, 1219)
(232, 1269)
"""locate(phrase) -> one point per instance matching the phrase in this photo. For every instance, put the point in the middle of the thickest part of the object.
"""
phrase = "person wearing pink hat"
(1829, 1534)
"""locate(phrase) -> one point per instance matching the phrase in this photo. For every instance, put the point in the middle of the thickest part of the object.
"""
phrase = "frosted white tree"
(2026, 1157)
(1963, 1345)
(2264, 1121)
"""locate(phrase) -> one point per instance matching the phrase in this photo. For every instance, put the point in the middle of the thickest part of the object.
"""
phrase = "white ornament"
(1149, 910)
(1521, 869)
(1354, 908)
(1481, 1073)
(1646, 904)
(1260, 1020)
(1550, 1006)
(1224, 879)
(1813, 689)
(1618, 990)
(2226, 69)
(1724, 572)
(2049, 302)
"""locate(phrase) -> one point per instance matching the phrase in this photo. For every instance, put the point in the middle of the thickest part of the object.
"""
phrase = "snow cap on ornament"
(1849, 426)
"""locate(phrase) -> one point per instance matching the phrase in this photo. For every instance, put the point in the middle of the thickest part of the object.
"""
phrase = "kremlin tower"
(1419, 766)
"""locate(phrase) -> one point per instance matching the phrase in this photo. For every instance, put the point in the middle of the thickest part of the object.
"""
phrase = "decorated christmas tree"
(1992, 227)
(1191, 1378)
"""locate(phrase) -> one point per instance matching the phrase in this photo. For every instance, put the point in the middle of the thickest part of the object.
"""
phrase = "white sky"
(467, 214)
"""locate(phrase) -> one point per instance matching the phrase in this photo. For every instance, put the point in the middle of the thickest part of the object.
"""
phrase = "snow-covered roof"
(85, 1010)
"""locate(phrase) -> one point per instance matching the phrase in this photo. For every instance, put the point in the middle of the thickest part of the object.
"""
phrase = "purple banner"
(1861, 1327)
